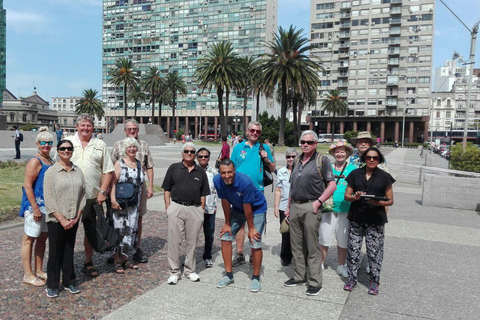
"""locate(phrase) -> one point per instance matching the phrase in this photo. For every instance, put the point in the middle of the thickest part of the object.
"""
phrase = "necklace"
(46, 158)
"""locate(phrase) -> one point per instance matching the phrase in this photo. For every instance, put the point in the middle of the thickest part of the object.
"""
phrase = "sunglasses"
(65, 148)
(255, 131)
(189, 151)
(376, 158)
(307, 142)
(203, 157)
(132, 129)
(42, 143)
(290, 157)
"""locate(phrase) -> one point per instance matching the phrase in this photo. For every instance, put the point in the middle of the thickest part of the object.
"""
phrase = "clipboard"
(373, 197)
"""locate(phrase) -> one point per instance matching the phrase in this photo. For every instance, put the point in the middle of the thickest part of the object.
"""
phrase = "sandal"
(42, 276)
(130, 265)
(34, 282)
(91, 272)
(119, 268)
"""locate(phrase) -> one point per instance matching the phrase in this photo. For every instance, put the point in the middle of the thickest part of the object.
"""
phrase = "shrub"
(468, 160)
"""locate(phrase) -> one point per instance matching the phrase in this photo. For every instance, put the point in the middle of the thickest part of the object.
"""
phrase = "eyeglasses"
(132, 129)
(376, 158)
(189, 151)
(203, 157)
(290, 157)
(65, 148)
(255, 131)
(307, 142)
(42, 143)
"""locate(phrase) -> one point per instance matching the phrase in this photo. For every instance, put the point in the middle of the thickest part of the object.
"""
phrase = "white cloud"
(22, 22)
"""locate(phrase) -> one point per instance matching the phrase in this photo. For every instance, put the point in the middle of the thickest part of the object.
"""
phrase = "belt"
(303, 201)
(188, 203)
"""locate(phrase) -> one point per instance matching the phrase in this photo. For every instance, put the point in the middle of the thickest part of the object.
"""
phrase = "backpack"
(267, 175)
(20, 136)
(101, 235)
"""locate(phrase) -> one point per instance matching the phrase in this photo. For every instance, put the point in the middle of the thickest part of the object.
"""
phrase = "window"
(12, 117)
(448, 114)
(411, 80)
(371, 112)
(24, 118)
(423, 79)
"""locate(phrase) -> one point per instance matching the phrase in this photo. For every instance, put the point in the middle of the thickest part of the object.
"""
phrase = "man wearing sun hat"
(334, 224)
(362, 142)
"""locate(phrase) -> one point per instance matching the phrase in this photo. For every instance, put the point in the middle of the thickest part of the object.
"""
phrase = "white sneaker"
(208, 263)
(342, 270)
(193, 277)
(367, 268)
(173, 279)
(323, 267)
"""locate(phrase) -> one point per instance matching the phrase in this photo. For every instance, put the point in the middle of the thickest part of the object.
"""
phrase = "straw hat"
(348, 148)
(362, 135)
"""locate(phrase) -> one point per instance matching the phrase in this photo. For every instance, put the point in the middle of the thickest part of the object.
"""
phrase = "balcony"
(394, 51)
(395, 2)
(393, 62)
(396, 10)
(394, 42)
(342, 83)
(392, 103)
(345, 15)
(343, 74)
(395, 21)
(345, 25)
(343, 64)
(344, 45)
(344, 35)
(395, 32)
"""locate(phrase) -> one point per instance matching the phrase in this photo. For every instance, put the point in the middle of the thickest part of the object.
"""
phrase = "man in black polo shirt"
(186, 187)
(308, 191)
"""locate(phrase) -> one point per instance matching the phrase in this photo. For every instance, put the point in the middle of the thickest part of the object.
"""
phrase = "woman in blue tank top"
(33, 210)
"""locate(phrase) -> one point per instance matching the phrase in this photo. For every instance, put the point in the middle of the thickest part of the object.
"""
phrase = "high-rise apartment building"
(3, 46)
(172, 35)
(378, 54)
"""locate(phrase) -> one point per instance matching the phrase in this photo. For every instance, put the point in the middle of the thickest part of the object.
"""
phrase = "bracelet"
(321, 202)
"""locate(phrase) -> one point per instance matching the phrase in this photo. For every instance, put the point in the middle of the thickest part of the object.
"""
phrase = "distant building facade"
(173, 35)
(3, 48)
(65, 106)
(32, 110)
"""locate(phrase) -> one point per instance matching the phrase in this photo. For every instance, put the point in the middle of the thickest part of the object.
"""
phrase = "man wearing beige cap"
(362, 142)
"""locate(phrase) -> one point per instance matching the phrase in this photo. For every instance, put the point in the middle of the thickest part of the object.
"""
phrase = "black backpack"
(101, 235)
(20, 136)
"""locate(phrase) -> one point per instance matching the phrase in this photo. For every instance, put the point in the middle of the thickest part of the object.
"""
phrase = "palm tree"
(246, 81)
(123, 75)
(288, 66)
(334, 104)
(136, 95)
(153, 84)
(220, 70)
(90, 104)
(175, 83)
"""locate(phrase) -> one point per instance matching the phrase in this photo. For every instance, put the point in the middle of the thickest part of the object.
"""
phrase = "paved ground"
(429, 270)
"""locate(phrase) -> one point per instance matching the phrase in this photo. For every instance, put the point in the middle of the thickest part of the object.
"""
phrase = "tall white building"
(65, 106)
(378, 54)
(172, 35)
(446, 75)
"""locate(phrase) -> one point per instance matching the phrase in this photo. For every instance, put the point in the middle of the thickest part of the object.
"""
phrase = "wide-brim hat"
(347, 146)
(362, 135)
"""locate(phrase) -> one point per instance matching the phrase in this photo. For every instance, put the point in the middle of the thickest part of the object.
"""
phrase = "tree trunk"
(283, 114)
(245, 101)
(227, 101)
(135, 111)
(125, 101)
(333, 128)
(295, 117)
(301, 106)
(257, 111)
(175, 129)
(160, 113)
(223, 129)
(153, 106)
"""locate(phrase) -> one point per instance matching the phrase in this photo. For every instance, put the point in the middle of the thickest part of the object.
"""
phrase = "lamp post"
(405, 110)
(236, 120)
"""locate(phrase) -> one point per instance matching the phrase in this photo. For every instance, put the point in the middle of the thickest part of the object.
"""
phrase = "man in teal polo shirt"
(247, 158)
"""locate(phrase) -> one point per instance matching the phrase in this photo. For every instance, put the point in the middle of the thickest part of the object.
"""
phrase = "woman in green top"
(335, 224)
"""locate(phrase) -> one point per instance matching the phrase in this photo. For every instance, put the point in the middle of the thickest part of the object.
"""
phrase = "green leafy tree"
(136, 95)
(468, 160)
(219, 70)
(175, 84)
(334, 104)
(286, 66)
(124, 75)
(270, 127)
(154, 84)
(90, 104)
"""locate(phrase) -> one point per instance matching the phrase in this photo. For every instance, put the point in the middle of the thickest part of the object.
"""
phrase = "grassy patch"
(11, 182)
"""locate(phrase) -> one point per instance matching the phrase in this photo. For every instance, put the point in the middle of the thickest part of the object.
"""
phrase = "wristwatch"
(103, 192)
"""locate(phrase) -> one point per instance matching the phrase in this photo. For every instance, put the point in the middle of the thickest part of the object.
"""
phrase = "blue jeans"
(209, 231)
(238, 219)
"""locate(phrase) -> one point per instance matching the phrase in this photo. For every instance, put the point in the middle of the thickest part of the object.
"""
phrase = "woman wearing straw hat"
(335, 224)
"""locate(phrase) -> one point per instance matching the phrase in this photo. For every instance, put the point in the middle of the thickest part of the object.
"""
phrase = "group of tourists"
(345, 200)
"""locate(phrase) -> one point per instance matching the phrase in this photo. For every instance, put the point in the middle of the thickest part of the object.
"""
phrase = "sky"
(56, 45)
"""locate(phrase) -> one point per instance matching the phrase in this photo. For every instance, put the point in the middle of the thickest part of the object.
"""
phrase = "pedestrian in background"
(16, 136)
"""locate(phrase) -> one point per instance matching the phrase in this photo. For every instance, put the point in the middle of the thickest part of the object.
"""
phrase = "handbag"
(101, 235)
(217, 163)
(267, 175)
(285, 225)
(328, 204)
(126, 193)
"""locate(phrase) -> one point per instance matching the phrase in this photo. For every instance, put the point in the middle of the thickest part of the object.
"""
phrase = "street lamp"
(236, 120)
(405, 110)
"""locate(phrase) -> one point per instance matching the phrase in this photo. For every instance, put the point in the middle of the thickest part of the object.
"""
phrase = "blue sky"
(56, 45)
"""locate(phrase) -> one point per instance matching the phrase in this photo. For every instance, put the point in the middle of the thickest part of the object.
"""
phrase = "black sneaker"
(140, 256)
(73, 289)
(238, 260)
(285, 263)
(313, 291)
(52, 293)
(110, 259)
(292, 282)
